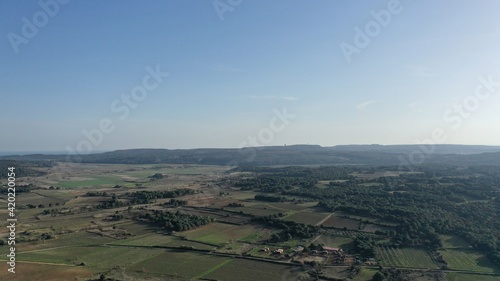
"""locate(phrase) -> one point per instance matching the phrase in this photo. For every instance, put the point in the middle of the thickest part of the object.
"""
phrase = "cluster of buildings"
(333, 255)
(336, 255)
(277, 251)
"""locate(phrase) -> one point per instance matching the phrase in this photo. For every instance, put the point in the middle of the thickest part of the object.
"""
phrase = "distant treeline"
(288, 155)
(23, 168)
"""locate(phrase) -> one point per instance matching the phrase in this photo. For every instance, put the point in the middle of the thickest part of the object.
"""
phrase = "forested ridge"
(286, 155)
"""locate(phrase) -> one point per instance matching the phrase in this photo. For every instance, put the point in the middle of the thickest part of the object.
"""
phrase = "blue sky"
(231, 70)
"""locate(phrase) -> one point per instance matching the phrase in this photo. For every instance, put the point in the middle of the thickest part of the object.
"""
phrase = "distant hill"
(290, 155)
(437, 149)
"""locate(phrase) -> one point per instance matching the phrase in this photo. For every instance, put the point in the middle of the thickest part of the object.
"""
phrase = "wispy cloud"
(364, 105)
(272, 98)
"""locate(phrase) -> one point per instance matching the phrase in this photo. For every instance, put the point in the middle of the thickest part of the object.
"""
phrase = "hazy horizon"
(62, 152)
(96, 76)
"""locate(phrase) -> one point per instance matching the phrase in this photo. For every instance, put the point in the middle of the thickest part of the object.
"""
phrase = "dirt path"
(325, 219)
(46, 263)
(314, 240)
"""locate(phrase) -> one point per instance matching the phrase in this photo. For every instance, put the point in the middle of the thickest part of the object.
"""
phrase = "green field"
(137, 228)
(64, 240)
(467, 277)
(335, 241)
(155, 239)
(221, 233)
(453, 242)
(173, 263)
(151, 239)
(468, 260)
(98, 257)
(247, 270)
(365, 274)
(255, 210)
(93, 181)
(198, 170)
(405, 257)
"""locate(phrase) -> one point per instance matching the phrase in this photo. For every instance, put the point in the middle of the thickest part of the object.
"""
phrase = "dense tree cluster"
(395, 274)
(96, 193)
(175, 221)
(283, 179)
(290, 229)
(274, 184)
(319, 173)
(157, 176)
(117, 216)
(113, 203)
(145, 197)
(51, 212)
(364, 245)
(175, 203)
(19, 189)
(234, 204)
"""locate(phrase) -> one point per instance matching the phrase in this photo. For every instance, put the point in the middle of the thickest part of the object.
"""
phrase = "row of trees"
(270, 198)
(175, 203)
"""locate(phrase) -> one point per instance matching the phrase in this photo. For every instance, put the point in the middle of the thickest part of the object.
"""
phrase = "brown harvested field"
(337, 222)
(37, 197)
(44, 272)
(306, 217)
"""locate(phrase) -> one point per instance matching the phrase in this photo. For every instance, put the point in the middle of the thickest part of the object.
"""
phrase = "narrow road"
(325, 219)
